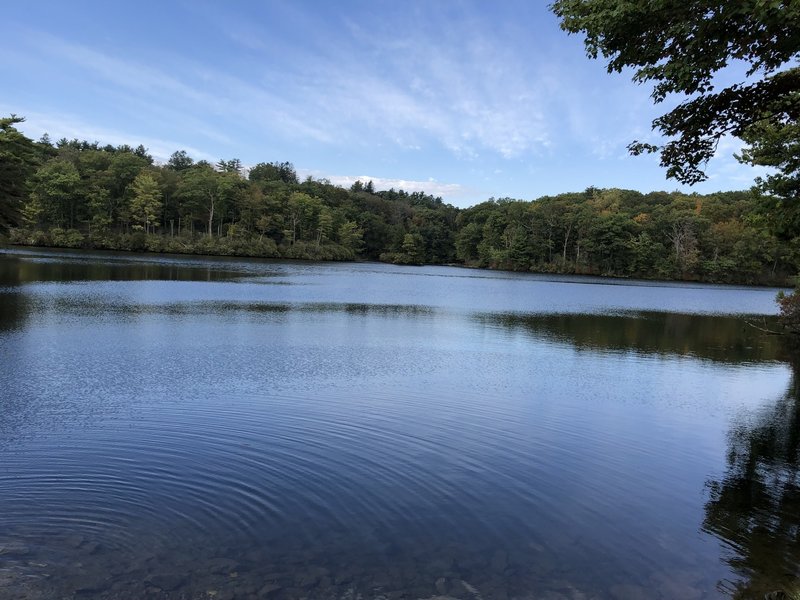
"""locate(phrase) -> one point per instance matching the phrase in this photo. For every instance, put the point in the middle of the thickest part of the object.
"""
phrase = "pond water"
(176, 427)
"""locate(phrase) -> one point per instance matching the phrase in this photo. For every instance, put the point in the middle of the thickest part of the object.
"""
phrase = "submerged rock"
(74, 541)
(166, 581)
(673, 586)
(441, 585)
(93, 586)
(464, 589)
(90, 548)
(499, 561)
(221, 566)
(625, 591)
(14, 549)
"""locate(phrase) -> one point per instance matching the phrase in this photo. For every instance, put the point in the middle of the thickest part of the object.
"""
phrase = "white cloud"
(481, 102)
(59, 126)
(418, 90)
(457, 88)
(725, 167)
(201, 91)
(447, 191)
(142, 79)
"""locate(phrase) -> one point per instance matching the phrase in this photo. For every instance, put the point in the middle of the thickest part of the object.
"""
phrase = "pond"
(183, 427)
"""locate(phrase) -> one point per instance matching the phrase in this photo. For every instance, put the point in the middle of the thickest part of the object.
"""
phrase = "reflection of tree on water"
(724, 339)
(52, 265)
(14, 309)
(755, 509)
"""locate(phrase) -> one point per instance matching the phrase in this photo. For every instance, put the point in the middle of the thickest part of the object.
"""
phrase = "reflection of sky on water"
(445, 287)
(293, 423)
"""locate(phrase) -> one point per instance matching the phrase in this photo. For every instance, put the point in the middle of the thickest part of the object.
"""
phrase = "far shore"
(589, 277)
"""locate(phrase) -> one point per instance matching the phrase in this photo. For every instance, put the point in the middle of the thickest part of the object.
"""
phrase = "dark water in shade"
(211, 428)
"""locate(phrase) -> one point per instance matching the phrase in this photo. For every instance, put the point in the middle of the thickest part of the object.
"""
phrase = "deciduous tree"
(146, 201)
(681, 46)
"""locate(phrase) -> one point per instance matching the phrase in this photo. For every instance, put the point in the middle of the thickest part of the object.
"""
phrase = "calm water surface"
(212, 428)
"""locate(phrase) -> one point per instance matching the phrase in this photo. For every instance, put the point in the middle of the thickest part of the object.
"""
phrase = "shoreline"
(594, 277)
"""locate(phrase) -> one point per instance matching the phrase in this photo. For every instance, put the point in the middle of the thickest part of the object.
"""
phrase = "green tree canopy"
(203, 190)
(273, 171)
(82, 194)
(18, 158)
(681, 46)
(146, 201)
(55, 194)
(180, 160)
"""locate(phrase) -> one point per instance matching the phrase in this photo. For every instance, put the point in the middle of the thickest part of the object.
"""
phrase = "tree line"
(80, 194)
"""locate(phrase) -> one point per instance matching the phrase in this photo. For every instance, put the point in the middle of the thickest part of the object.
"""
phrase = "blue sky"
(467, 100)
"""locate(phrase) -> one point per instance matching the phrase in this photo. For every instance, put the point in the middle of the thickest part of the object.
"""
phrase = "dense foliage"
(720, 237)
(83, 195)
(683, 47)
(18, 159)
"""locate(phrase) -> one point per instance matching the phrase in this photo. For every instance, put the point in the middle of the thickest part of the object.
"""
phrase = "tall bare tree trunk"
(211, 218)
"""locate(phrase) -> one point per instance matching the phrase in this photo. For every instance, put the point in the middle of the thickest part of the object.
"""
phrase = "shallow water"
(176, 427)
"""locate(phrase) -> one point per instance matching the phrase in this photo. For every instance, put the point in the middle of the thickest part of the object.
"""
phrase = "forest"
(79, 194)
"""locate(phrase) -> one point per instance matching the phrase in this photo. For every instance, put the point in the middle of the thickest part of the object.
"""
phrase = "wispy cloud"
(136, 77)
(493, 96)
(458, 88)
(724, 165)
(416, 91)
(448, 191)
(472, 98)
(197, 90)
(69, 126)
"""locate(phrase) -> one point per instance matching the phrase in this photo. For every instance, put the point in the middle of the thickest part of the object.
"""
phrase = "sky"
(461, 99)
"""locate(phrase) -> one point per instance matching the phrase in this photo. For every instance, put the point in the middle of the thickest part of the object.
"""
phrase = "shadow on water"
(719, 338)
(754, 509)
